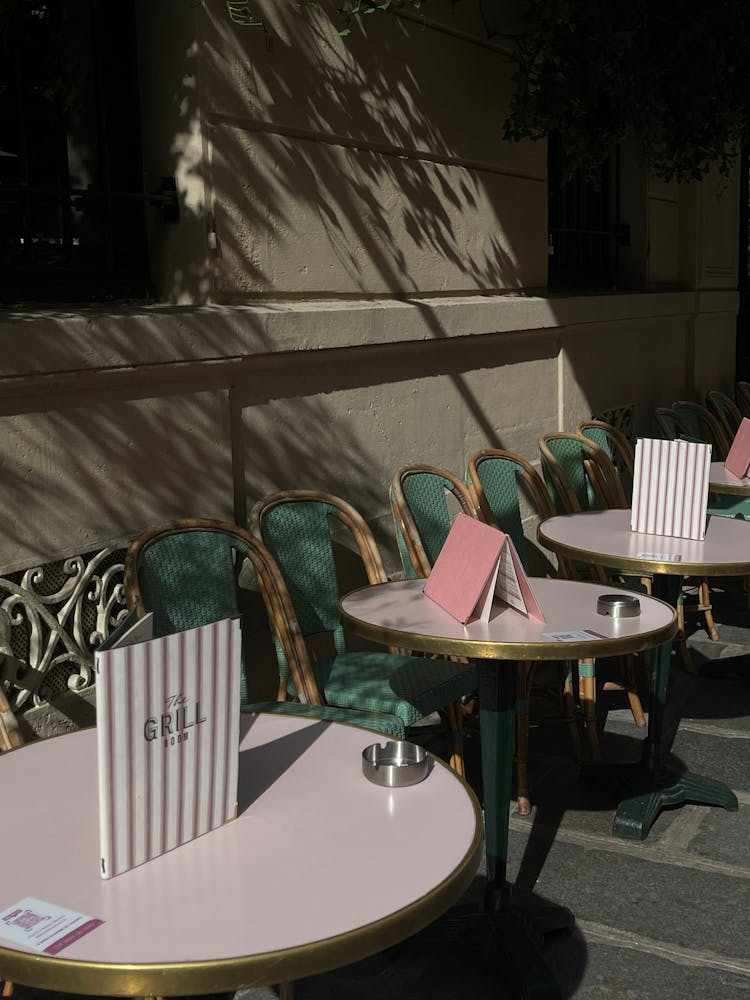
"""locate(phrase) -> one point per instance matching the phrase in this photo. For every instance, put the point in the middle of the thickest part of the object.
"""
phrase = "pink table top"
(721, 481)
(321, 868)
(604, 537)
(399, 613)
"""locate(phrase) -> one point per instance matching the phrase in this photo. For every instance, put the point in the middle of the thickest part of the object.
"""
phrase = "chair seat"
(369, 680)
(729, 505)
(388, 725)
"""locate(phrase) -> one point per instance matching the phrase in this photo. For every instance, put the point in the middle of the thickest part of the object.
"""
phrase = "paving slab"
(631, 972)
(672, 901)
(716, 756)
(725, 837)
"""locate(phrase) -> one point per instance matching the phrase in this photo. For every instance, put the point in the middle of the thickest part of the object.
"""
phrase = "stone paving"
(667, 918)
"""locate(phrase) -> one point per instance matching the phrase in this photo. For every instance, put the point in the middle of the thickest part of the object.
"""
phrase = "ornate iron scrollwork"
(52, 618)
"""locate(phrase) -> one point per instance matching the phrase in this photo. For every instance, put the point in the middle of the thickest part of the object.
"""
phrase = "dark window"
(72, 209)
(582, 223)
(743, 314)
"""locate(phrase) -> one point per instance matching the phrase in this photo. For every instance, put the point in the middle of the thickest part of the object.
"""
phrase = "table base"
(648, 793)
(508, 943)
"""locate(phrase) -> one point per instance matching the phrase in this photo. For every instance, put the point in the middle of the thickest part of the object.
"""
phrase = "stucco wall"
(115, 420)
(373, 253)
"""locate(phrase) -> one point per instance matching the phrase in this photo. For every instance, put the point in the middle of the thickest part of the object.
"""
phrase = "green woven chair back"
(499, 478)
(188, 579)
(298, 535)
(725, 410)
(425, 493)
(569, 454)
(599, 436)
(692, 421)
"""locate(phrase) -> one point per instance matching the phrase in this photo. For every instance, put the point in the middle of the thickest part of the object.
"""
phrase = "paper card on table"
(168, 713)
(44, 926)
(476, 564)
(738, 460)
(576, 635)
(670, 488)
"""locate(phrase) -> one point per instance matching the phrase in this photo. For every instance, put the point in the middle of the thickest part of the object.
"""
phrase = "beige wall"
(162, 412)
(356, 283)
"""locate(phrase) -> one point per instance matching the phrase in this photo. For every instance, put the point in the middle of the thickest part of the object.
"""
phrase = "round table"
(321, 867)
(721, 481)
(729, 496)
(604, 538)
(399, 614)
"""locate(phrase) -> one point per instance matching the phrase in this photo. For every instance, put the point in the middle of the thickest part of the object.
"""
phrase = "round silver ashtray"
(618, 606)
(395, 764)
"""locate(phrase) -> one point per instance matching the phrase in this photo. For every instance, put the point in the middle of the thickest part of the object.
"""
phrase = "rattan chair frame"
(623, 455)
(530, 483)
(10, 732)
(725, 410)
(402, 515)
(597, 466)
(608, 489)
(712, 430)
(529, 480)
(270, 582)
(374, 569)
(742, 397)
(670, 425)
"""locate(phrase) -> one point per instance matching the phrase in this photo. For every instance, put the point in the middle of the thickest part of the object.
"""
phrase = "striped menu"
(168, 713)
(670, 488)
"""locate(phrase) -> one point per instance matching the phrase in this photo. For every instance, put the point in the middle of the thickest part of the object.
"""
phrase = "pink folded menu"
(738, 460)
(476, 564)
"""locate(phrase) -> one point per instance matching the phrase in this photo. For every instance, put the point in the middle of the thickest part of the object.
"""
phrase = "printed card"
(44, 926)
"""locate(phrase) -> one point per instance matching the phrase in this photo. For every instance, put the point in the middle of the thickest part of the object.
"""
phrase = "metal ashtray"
(618, 606)
(395, 764)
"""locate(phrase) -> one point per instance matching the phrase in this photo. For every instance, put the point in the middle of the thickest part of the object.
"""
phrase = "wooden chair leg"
(587, 695)
(455, 721)
(286, 991)
(8, 988)
(704, 605)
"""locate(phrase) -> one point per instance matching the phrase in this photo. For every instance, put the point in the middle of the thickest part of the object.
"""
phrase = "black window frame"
(69, 94)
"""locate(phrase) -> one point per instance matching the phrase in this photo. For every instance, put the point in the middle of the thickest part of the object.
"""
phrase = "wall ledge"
(38, 342)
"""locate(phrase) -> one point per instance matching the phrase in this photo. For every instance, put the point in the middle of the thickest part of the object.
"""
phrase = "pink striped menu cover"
(670, 488)
(168, 714)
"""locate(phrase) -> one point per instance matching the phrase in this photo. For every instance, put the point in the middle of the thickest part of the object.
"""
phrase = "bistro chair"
(422, 514)
(742, 397)
(506, 486)
(616, 446)
(186, 574)
(670, 425)
(703, 426)
(725, 410)
(580, 476)
(296, 526)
